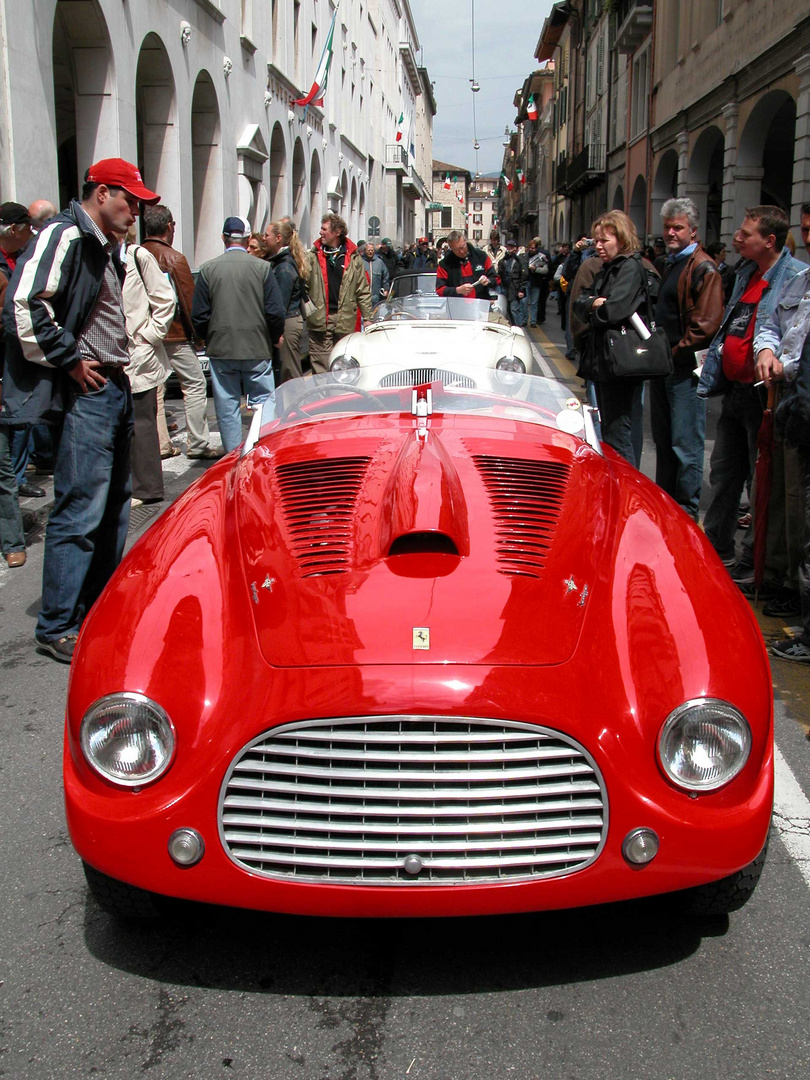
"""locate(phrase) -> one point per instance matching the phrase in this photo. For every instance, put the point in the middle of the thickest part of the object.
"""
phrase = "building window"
(477, 206)
(296, 39)
(640, 94)
(478, 219)
(478, 234)
(447, 217)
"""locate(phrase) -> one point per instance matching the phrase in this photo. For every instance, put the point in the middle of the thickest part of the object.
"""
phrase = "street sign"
(434, 206)
(373, 226)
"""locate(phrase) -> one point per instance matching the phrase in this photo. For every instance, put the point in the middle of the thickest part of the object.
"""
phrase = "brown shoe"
(174, 452)
(16, 558)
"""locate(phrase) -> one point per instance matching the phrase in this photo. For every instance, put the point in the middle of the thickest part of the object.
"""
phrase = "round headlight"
(704, 744)
(345, 369)
(511, 363)
(128, 739)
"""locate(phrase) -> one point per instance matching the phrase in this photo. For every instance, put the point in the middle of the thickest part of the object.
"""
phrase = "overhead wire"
(474, 84)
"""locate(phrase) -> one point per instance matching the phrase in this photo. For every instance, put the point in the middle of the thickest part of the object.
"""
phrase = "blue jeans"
(678, 418)
(12, 537)
(229, 380)
(518, 311)
(20, 451)
(87, 527)
(733, 460)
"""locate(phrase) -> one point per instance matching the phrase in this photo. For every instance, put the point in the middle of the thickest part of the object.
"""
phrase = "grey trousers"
(186, 365)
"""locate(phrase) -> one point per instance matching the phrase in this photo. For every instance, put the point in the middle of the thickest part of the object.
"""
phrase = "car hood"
(412, 343)
(477, 543)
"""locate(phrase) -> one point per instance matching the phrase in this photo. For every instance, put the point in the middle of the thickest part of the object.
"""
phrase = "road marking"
(791, 814)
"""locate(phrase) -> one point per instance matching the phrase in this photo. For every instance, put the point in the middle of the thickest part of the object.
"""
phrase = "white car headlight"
(511, 363)
(128, 739)
(345, 368)
(704, 744)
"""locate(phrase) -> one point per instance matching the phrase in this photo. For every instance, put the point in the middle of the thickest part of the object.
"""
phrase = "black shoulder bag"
(629, 355)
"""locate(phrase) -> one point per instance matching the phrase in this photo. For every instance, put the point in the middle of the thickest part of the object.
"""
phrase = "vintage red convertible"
(422, 648)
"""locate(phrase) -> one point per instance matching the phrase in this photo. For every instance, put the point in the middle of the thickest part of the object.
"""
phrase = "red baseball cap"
(115, 172)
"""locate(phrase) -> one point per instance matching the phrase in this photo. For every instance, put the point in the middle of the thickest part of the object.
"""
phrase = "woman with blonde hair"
(620, 288)
(290, 264)
(256, 246)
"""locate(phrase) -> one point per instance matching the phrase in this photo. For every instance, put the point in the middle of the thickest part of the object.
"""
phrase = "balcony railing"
(635, 26)
(585, 169)
(396, 157)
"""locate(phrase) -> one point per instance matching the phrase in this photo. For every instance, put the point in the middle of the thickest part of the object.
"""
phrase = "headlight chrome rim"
(345, 369)
(157, 733)
(511, 363)
(731, 727)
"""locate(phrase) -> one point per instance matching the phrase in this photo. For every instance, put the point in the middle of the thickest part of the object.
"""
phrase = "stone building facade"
(450, 187)
(201, 94)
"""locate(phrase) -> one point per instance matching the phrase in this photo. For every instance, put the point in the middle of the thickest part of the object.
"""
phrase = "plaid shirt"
(104, 334)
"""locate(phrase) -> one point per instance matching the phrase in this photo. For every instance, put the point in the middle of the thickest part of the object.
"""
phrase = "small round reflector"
(186, 847)
(640, 846)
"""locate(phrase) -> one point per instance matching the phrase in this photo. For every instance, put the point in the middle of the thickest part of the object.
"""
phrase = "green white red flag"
(400, 123)
(315, 95)
(531, 108)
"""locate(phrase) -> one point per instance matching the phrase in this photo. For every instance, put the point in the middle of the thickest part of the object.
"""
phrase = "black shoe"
(784, 602)
(31, 491)
(59, 648)
(766, 591)
(791, 649)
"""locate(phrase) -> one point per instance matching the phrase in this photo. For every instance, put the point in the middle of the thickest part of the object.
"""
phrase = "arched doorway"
(299, 188)
(665, 186)
(84, 93)
(155, 119)
(206, 170)
(704, 182)
(315, 201)
(618, 198)
(637, 211)
(764, 172)
(278, 173)
(353, 210)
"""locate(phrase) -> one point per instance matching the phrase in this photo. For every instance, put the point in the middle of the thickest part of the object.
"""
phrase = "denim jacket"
(712, 379)
(793, 412)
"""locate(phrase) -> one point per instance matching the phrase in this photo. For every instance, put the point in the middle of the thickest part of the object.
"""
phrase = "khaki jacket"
(355, 292)
(149, 309)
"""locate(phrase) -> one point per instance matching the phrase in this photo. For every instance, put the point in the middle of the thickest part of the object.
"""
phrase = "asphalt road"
(624, 991)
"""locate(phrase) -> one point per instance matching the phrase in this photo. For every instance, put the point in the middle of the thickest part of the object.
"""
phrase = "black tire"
(119, 899)
(729, 893)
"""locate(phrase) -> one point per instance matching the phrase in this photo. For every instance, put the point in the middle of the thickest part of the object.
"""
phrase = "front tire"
(730, 893)
(119, 899)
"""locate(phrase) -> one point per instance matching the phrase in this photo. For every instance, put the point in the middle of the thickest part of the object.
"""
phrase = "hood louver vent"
(526, 499)
(318, 499)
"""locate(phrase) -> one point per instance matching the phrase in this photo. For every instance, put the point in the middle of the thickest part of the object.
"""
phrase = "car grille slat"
(458, 800)
(318, 500)
(419, 376)
(526, 500)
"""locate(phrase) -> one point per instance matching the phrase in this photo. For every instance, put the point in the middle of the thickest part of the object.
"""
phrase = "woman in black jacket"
(290, 265)
(617, 291)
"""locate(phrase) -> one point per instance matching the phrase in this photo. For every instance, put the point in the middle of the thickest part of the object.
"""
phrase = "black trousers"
(147, 471)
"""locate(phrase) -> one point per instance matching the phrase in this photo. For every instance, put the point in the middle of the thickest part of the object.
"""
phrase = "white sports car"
(424, 332)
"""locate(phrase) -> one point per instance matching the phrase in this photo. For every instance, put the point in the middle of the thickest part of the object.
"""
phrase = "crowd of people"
(93, 323)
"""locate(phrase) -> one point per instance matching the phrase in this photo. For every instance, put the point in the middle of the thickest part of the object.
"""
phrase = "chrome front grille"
(419, 376)
(412, 800)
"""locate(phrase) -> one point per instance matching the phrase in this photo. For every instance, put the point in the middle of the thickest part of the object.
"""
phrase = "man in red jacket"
(465, 270)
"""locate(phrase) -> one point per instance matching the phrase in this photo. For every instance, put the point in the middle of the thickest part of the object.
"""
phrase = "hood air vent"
(318, 499)
(526, 499)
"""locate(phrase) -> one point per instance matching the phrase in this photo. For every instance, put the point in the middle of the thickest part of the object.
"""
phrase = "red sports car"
(420, 651)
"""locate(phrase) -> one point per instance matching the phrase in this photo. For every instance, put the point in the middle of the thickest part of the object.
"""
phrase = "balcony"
(585, 169)
(396, 158)
(414, 182)
(635, 28)
(561, 176)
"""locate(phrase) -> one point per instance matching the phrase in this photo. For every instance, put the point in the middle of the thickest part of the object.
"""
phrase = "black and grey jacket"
(53, 289)
(289, 281)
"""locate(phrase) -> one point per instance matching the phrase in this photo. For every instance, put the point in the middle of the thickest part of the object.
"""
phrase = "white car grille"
(412, 800)
(419, 376)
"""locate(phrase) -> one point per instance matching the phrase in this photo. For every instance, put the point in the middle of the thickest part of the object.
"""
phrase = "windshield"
(430, 307)
(408, 284)
(455, 388)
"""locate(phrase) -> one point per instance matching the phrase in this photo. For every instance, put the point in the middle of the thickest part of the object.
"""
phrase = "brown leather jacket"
(700, 302)
(173, 263)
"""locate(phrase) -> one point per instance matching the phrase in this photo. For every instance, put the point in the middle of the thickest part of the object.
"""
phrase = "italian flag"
(315, 95)
(531, 107)
(520, 176)
(447, 182)
(400, 122)
(507, 181)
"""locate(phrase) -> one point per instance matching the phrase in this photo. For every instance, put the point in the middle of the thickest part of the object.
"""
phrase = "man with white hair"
(689, 308)
(237, 309)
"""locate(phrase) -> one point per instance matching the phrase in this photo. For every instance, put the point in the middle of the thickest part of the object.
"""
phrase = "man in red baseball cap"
(66, 364)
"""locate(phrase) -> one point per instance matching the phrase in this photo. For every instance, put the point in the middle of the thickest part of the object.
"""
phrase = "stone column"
(728, 224)
(801, 158)
(683, 161)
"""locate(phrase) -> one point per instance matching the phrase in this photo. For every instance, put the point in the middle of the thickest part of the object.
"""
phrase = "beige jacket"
(149, 308)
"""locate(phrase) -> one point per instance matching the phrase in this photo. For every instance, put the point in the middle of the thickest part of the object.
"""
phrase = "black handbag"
(629, 355)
